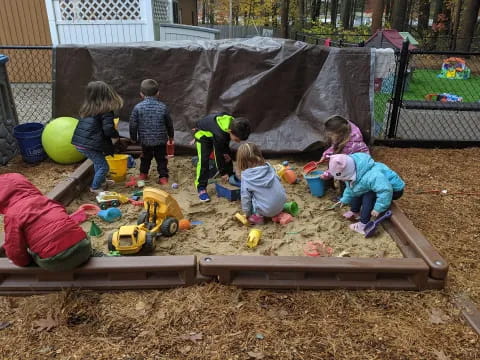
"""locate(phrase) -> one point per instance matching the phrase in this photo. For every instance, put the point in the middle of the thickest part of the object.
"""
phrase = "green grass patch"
(425, 82)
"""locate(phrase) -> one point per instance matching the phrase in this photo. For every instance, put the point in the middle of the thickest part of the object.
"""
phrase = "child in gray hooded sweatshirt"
(261, 190)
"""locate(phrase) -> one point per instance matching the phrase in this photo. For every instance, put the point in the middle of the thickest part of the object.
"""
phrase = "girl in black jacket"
(95, 130)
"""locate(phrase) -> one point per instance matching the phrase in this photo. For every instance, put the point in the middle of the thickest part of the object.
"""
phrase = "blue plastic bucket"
(29, 139)
(316, 185)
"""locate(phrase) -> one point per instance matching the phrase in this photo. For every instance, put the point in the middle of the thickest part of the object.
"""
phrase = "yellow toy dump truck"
(160, 217)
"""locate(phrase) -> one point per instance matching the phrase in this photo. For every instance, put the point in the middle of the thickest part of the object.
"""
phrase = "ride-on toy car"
(160, 217)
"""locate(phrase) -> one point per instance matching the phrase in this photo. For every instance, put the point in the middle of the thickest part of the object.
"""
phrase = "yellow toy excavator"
(160, 217)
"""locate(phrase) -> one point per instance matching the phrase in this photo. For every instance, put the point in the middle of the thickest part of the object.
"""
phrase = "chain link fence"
(30, 73)
(436, 98)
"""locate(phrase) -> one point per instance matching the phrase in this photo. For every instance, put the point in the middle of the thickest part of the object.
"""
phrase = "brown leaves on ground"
(298, 325)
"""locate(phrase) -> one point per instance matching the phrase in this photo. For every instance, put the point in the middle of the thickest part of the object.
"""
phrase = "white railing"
(106, 21)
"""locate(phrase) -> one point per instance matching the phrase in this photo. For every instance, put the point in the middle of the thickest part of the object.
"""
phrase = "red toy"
(317, 248)
(282, 218)
(132, 182)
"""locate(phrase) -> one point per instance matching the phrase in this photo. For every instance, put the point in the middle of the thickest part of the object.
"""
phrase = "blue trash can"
(316, 185)
(29, 139)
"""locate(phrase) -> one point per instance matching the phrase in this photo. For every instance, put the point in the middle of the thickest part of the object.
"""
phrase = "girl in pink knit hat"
(370, 187)
(344, 137)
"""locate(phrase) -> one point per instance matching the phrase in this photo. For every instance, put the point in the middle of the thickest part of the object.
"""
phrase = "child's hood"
(363, 163)
(260, 176)
(14, 188)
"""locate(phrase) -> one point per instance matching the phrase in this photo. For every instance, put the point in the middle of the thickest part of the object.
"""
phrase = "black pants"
(204, 149)
(160, 154)
(365, 203)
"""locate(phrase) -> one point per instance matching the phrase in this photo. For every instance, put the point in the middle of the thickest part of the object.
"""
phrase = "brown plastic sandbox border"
(421, 268)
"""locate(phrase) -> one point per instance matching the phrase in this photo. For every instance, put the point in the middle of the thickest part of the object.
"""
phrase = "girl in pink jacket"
(345, 138)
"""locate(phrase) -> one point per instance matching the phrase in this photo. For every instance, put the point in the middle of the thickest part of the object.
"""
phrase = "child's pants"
(204, 149)
(100, 166)
(159, 152)
(68, 259)
(365, 203)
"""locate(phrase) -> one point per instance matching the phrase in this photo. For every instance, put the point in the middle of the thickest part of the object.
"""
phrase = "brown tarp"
(285, 88)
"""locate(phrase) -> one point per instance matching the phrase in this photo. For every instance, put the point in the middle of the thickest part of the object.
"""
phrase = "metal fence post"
(397, 98)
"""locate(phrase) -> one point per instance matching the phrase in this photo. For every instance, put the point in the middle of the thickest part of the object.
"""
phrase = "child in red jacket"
(38, 228)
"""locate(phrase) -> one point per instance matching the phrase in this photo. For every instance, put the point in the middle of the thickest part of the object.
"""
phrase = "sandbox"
(398, 257)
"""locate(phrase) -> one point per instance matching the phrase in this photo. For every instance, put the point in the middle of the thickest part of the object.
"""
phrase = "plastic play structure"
(422, 267)
(454, 68)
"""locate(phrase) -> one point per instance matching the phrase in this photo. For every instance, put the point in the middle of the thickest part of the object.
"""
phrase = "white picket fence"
(107, 21)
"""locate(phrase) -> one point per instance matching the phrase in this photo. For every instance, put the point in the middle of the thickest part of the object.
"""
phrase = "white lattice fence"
(106, 21)
(74, 10)
(161, 11)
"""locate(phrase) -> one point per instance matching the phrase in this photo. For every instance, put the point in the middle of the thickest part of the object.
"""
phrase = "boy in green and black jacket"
(214, 132)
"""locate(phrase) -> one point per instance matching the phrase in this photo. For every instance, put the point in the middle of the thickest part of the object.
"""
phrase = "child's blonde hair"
(100, 98)
(340, 128)
(248, 156)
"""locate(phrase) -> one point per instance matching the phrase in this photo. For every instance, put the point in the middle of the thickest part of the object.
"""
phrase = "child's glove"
(325, 176)
(225, 178)
(324, 159)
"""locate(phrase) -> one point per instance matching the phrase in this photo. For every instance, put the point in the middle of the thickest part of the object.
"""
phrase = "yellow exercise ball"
(57, 140)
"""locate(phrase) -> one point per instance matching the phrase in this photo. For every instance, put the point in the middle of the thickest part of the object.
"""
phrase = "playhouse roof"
(406, 35)
(387, 39)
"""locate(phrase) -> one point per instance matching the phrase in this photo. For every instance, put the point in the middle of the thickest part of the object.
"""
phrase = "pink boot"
(358, 227)
(256, 219)
(350, 215)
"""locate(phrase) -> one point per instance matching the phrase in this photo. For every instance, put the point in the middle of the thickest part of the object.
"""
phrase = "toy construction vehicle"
(108, 199)
(160, 218)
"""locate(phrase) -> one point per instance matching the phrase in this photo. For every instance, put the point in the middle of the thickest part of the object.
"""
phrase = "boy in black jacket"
(151, 121)
(215, 132)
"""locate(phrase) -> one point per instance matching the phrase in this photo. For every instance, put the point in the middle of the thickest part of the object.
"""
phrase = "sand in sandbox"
(220, 234)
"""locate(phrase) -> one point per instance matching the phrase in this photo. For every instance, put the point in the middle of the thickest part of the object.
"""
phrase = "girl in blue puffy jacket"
(370, 186)
(94, 132)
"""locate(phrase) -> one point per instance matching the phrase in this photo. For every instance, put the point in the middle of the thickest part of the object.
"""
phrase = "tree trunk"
(377, 15)
(423, 16)
(399, 14)
(388, 11)
(274, 15)
(300, 23)
(469, 19)
(408, 18)
(316, 10)
(204, 11)
(333, 14)
(455, 24)
(437, 9)
(211, 14)
(284, 19)
(312, 9)
(347, 7)
(353, 12)
(325, 9)
(363, 11)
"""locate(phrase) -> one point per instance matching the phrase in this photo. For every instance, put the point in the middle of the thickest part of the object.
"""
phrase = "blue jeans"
(100, 166)
(365, 203)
